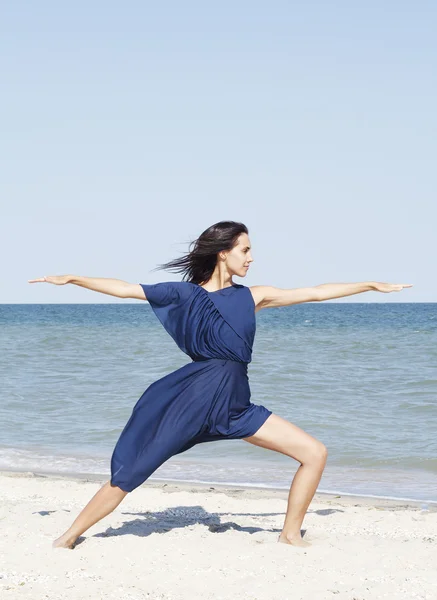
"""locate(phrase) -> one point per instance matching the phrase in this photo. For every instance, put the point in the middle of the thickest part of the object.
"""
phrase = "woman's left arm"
(266, 296)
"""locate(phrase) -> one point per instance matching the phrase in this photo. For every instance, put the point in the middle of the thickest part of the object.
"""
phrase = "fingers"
(392, 287)
(36, 280)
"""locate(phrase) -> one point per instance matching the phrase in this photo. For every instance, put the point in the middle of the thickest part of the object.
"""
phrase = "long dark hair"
(198, 265)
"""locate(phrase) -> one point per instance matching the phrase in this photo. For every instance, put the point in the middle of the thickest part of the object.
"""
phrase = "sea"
(360, 377)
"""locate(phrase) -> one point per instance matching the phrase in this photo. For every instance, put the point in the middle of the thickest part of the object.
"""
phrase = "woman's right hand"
(55, 279)
(104, 285)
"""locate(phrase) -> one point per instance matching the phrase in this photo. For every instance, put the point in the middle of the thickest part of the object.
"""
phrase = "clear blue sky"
(128, 128)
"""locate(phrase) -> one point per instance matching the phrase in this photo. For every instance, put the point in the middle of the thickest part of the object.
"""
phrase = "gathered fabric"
(207, 399)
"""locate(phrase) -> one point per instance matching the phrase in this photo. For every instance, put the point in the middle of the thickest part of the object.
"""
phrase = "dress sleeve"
(160, 294)
(166, 299)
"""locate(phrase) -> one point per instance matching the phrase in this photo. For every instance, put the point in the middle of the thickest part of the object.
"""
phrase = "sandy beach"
(169, 540)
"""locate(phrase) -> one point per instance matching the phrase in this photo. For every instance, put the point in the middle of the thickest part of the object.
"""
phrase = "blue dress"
(207, 399)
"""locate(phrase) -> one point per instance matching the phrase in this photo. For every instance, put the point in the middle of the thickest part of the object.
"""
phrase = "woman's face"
(239, 258)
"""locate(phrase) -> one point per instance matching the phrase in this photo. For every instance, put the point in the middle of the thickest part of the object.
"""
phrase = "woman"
(212, 319)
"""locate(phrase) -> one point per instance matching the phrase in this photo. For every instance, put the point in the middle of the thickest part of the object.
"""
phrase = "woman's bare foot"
(101, 504)
(293, 540)
(64, 542)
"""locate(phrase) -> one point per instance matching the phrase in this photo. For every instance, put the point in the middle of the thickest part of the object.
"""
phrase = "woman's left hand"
(390, 287)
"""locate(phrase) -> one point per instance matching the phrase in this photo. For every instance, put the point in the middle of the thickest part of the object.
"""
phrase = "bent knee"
(317, 454)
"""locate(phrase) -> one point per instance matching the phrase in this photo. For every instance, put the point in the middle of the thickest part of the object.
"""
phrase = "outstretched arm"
(268, 297)
(104, 285)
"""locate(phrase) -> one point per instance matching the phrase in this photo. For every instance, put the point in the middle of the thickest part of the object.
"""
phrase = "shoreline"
(260, 492)
(412, 485)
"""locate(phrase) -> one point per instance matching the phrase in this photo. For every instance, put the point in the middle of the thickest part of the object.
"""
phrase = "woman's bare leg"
(100, 505)
(282, 436)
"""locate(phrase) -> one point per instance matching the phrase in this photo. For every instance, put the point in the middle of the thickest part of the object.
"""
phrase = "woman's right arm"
(113, 287)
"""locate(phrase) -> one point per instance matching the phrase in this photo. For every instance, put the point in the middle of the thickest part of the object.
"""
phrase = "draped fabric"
(205, 400)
